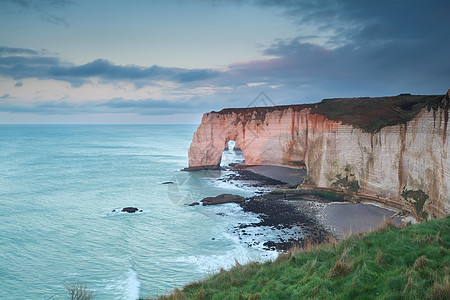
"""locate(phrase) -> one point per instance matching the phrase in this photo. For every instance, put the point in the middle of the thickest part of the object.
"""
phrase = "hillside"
(412, 262)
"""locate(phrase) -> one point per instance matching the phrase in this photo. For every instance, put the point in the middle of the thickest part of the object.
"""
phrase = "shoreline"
(307, 212)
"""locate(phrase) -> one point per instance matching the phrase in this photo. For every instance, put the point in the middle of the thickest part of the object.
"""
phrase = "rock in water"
(130, 209)
(223, 198)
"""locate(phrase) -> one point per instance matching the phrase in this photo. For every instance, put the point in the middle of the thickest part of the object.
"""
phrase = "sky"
(168, 62)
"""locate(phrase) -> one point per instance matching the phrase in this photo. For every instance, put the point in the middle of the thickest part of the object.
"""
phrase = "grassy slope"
(412, 262)
(372, 114)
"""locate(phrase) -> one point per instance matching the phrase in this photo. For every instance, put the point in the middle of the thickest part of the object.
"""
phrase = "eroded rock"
(223, 198)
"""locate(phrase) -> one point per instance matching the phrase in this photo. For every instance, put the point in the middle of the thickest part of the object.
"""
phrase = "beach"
(313, 217)
(289, 175)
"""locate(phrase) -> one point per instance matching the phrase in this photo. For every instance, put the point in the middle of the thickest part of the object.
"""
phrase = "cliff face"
(406, 164)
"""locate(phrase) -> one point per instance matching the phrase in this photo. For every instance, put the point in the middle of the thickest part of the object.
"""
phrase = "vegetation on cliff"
(372, 114)
(412, 262)
(369, 114)
(417, 198)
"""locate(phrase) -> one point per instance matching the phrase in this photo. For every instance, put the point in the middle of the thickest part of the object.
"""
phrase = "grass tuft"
(78, 291)
(340, 269)
(441, 291)
(409, 286)
(379, 257)
(420, 262)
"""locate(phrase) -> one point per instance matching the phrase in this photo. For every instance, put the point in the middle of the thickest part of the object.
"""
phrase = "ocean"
(59, 185)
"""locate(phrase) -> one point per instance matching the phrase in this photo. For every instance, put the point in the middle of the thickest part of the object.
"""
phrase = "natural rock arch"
(231, 154)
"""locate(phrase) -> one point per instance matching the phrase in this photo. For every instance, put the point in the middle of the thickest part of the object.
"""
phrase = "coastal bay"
(316, 218)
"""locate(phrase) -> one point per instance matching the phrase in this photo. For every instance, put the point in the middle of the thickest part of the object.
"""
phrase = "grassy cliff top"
(369, 114)
(412, 262)
(372, 114)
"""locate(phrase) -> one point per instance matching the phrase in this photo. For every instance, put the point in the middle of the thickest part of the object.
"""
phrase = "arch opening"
(232, 154)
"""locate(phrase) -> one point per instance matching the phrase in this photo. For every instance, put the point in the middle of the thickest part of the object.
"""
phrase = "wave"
(236, 245)
(127, 287)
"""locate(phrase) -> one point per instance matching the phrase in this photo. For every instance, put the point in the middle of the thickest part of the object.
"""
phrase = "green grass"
(412, 262)
(372, 114)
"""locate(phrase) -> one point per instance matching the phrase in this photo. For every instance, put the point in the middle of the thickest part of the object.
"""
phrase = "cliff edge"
(390, 149)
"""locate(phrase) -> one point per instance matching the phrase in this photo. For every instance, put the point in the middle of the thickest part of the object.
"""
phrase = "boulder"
(130, 209)
(223, 198)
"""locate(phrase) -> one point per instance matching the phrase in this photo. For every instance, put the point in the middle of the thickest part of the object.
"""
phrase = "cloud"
(390, 68)
(252, 84)
(17, 51)
(370, 22)
(22, 3)
(195, 75)
(39, 4)
(44, 107)
(343, 48)
(116, 105)
(361, 48)
(18, 84)
(47, 9)
(46, 67)
(106, 70)
(54, 20)
(152, 107)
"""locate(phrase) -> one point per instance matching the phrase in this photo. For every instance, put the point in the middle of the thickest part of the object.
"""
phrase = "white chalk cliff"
(392, 149)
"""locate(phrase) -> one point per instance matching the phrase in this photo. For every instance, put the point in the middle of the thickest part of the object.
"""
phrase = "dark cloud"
(49, 10)
(315, 72)
(370, 48)
(17, 51)
(106, 70)
(39, 4)
(370, 22)
(45, 67)
(195, 75)
(4, 96)
(18, 84)
(22, 3)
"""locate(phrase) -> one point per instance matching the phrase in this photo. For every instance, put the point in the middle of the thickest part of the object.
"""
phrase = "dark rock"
(194, 204)
(167, 182)
(223, 198)
(281, 214)
(130, 209)
(257, 179)
(201, 168)
(270, 245)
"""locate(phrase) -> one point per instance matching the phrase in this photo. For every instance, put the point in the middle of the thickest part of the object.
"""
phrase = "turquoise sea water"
(58, 187)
